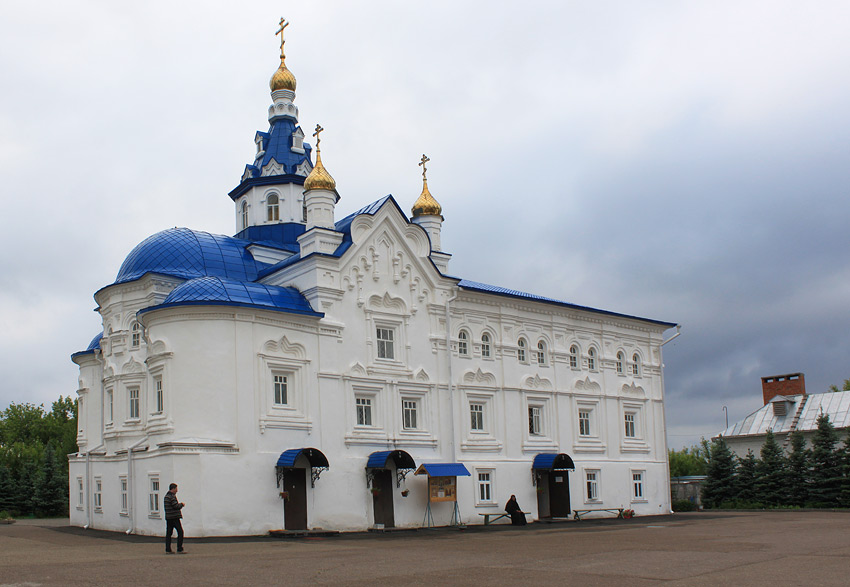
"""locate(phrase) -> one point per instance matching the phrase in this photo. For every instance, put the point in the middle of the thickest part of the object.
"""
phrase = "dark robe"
(516, 513)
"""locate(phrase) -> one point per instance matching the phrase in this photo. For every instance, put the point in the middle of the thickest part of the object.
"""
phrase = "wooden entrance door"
(382, 501)
(295, 510)
(543, 495)
(559, 494)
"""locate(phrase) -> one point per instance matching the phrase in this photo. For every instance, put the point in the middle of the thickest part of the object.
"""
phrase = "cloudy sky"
(681, 161)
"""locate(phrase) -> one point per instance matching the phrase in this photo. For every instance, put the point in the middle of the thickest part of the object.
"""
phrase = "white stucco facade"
(193, 384)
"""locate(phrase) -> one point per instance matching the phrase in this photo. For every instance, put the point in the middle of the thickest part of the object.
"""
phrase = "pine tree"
(845, 467)
(771, 473)
(51, 490)
(720, 475)
(826, 473)
(798, 470)
(746, 481)
(7, 503)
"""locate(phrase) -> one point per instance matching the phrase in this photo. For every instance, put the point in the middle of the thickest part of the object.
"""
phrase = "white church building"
(294, 375)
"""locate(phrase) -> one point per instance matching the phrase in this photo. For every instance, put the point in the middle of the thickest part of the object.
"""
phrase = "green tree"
(720, 482)
(51, 491)
(688, 461)
(7, 502)
(746, 481)
(798, 470)
(826, 473)
(845, 468)
(846, 387)
(771, 473)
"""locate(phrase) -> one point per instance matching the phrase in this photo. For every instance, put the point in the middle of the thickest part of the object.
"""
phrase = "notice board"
(442, 489)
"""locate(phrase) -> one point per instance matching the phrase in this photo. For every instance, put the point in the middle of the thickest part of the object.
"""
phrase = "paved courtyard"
(741, 548)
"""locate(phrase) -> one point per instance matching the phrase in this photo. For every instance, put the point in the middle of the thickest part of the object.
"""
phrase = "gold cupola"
(282, 78)
(426, 205)
(319, 178)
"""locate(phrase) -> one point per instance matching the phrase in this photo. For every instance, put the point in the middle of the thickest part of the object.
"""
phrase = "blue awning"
(442, 470)
(552, 461)
(288, 457)
(380, 460)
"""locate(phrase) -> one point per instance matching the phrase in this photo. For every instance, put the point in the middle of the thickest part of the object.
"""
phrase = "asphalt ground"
(706, 548)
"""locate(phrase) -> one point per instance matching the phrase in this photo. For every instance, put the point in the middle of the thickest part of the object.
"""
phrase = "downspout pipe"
(131, 505)
(452, 451)
(664, 411)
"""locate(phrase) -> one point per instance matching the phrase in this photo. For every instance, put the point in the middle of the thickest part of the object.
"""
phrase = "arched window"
(485, 345)
(574, 357)
(541, 353)
(135, 335)
(272, 208)
(591, 359)
(621, 360)
(463, 343)
(520, 351)
(636, 365)
(244, 214)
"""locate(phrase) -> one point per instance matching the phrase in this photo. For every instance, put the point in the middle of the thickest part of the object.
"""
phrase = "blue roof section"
(187, 254)
(218, 291)
(379, 460)
(93, 346)
(512, 293)
(442, 470)
(288, 457)
(277, 145)
(282, 236)
(552, 461)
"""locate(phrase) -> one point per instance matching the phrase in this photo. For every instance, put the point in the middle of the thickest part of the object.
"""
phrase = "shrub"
(684, 505)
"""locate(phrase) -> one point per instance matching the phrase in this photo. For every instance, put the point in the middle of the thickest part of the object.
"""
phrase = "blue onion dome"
(187, 254)
(221, 291)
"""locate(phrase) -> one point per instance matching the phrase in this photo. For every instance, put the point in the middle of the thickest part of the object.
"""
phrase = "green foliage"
(688, 461)
(684, 505)
(798, 471)
(33, 464)
(771, 473)
(746, 481)
(720, 484)
(827, 469)
(846, 387)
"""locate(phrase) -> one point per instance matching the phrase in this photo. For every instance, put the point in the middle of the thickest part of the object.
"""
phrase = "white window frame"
(621, 363)
(585, 424)
(135, 335)
(592, 359)
(638, 480)
(542, 353)
(630, 425)
(80, 493)
(592, 485)
(123, 492)
(485, 346)
(110, 407)
(575, 353)
(97, 495)
(485, 487)
(636, 365)
(280, 388)
(476, 416)
(158, 395)
(364, 406)
(272, 209)
(535, 420)
(243, 214)
(134, 404)
(410, 413)
(463, 343)
(521, 350)
(154, 506)
(382, 345)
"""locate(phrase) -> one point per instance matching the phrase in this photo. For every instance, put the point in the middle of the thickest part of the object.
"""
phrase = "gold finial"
(282, 78)
(426, 205)
(319, 178)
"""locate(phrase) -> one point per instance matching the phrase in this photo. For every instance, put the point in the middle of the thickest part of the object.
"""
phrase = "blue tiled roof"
(93, 346)
(443, 470)
(283, 235)
(512, 293)
(185, 253)
(277, 146)
(217, 291)
(288, 457)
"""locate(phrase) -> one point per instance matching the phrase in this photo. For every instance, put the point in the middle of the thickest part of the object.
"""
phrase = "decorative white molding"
(587, 385)
(287, 348)
(479, 377)
(538, 382)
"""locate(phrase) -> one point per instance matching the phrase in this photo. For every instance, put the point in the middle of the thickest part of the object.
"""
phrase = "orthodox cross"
(319, 129)
(424, 160)
(283, 25)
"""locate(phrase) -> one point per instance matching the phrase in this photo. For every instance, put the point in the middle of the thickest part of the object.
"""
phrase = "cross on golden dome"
(426, 205)
(282, 78)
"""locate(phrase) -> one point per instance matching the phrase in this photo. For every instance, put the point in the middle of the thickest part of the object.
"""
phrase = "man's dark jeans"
(170, 525)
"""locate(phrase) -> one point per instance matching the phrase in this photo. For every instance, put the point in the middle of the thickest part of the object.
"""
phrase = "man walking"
(172, 519)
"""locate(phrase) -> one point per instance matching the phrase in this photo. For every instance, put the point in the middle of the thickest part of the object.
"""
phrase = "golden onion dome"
(319, 178)
(426, 205)
(282, 78)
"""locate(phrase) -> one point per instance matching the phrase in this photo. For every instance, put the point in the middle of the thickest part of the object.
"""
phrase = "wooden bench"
(579, 513)
(490, 518)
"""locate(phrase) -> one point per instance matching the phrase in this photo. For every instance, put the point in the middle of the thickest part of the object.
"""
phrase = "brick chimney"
(791, 384)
